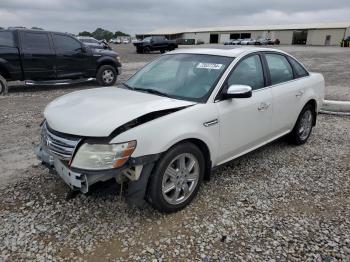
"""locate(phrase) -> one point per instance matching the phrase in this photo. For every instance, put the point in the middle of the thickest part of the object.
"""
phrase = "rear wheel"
(176, 178)
(303, 126)
(3, 86)
(106, 75)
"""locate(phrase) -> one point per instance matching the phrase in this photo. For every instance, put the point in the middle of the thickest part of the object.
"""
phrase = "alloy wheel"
(180, 178)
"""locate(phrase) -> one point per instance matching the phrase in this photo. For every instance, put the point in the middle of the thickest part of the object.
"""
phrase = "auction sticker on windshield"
(209, 66)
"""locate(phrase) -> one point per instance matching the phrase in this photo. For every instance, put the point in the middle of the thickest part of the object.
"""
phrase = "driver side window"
(248, 72)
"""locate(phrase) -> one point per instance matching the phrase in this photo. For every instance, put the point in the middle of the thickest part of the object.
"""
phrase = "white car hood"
(98, 112)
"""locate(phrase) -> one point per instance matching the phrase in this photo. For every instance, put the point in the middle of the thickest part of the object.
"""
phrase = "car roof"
(224, 52)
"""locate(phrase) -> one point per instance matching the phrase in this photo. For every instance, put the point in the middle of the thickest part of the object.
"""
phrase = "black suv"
(42, 57)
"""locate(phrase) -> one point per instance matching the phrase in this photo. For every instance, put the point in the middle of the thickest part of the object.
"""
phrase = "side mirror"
(238, 91)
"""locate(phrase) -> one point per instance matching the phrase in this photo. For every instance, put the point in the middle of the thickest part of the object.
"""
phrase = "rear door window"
(66, 43)
(279, 67)
(298, 69)
(6, 39)
(35, 41)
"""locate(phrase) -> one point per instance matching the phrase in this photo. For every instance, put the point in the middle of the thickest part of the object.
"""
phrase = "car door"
(38, 55)
(72, 60)
(245, 123)
(287, 92)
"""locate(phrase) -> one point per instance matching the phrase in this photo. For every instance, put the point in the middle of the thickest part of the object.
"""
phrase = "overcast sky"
(141, 16)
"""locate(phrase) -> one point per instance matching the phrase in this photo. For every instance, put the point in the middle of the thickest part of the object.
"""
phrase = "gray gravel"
(280, 202)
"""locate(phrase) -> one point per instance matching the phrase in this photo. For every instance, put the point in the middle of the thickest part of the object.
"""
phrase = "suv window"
(298, 69)
(279, 67)
(248, 72)
(6, 39)
(35, 41)
(67, 43)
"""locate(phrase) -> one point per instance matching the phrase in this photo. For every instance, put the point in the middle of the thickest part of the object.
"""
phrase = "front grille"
(59, 144)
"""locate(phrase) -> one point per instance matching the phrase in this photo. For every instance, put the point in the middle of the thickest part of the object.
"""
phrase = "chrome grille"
(61, 145)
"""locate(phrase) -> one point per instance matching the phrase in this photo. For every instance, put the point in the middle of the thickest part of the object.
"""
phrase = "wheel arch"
(204, 148)
(313, 103)
(107, 61)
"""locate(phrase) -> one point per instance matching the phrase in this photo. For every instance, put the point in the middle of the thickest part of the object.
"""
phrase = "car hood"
(98, 112)
(100, 51)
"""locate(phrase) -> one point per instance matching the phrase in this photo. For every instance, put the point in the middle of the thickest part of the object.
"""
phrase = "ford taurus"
(170, 124)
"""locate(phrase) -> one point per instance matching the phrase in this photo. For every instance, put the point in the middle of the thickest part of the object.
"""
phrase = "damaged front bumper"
(83, 179)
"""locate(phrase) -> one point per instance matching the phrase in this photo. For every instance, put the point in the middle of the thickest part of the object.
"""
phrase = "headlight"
(103, 156)
(118, 59)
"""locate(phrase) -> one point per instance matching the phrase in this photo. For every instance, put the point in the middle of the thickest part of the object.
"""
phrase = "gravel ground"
(280, 202)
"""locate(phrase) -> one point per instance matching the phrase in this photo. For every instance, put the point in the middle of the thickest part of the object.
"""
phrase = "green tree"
(101, 33)
(37, 28)
(85, 33)
(119, 33)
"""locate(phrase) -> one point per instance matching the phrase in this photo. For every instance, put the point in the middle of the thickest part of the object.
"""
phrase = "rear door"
(38, 55)
(287, 91)
(72, 60)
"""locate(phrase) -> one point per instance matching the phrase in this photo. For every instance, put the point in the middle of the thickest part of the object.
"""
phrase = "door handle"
(300, 93)
(263, 106)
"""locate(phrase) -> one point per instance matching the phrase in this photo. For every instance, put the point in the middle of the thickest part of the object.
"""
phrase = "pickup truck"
(50, 58)
(155, 43)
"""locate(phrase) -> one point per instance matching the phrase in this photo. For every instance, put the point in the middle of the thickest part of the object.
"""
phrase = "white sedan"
(176, 119)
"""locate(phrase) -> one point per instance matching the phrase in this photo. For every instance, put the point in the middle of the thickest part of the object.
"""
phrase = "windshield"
(182, 76)
(147, 39)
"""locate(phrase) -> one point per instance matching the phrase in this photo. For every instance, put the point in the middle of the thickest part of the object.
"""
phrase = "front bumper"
(75, 180)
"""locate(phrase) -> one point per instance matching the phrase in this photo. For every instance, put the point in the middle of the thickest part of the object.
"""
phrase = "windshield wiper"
(151, 91)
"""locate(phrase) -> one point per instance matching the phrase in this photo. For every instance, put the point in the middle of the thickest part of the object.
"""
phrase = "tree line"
(101, 33)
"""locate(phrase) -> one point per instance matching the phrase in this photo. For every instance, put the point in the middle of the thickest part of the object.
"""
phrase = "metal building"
(303, 34)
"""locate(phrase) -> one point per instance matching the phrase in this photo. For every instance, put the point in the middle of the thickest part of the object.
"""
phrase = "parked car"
(155, 43)
(126, 41)
(176, 119)
(42, 57)
(228, 42)
(274, 42)
(233, 42)
(262, 41)
(248, 41)
(93, 43)
(114, 41)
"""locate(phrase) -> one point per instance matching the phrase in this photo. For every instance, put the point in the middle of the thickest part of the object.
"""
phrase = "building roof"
(234, 52)
(172, 31)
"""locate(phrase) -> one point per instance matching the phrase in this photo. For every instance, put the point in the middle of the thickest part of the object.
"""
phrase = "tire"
(162, 51)
(106, 75)
(3, 86)
(167, 190)
(146, 50)
(303, 127)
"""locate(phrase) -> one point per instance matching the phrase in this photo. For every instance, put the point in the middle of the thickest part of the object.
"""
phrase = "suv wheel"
(3, 86)
(106, 75)
(303, 126)
(176, 178)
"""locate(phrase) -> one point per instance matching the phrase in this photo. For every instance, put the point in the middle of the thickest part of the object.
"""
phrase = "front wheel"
(176, 178)
(3, 86)
(106, 75)
(303, 127)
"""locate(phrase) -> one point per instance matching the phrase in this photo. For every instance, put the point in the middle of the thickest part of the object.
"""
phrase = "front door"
(71, 59)
(245, 123)
(38, 55)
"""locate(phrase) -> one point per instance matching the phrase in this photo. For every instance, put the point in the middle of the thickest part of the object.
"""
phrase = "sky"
(142, 16)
